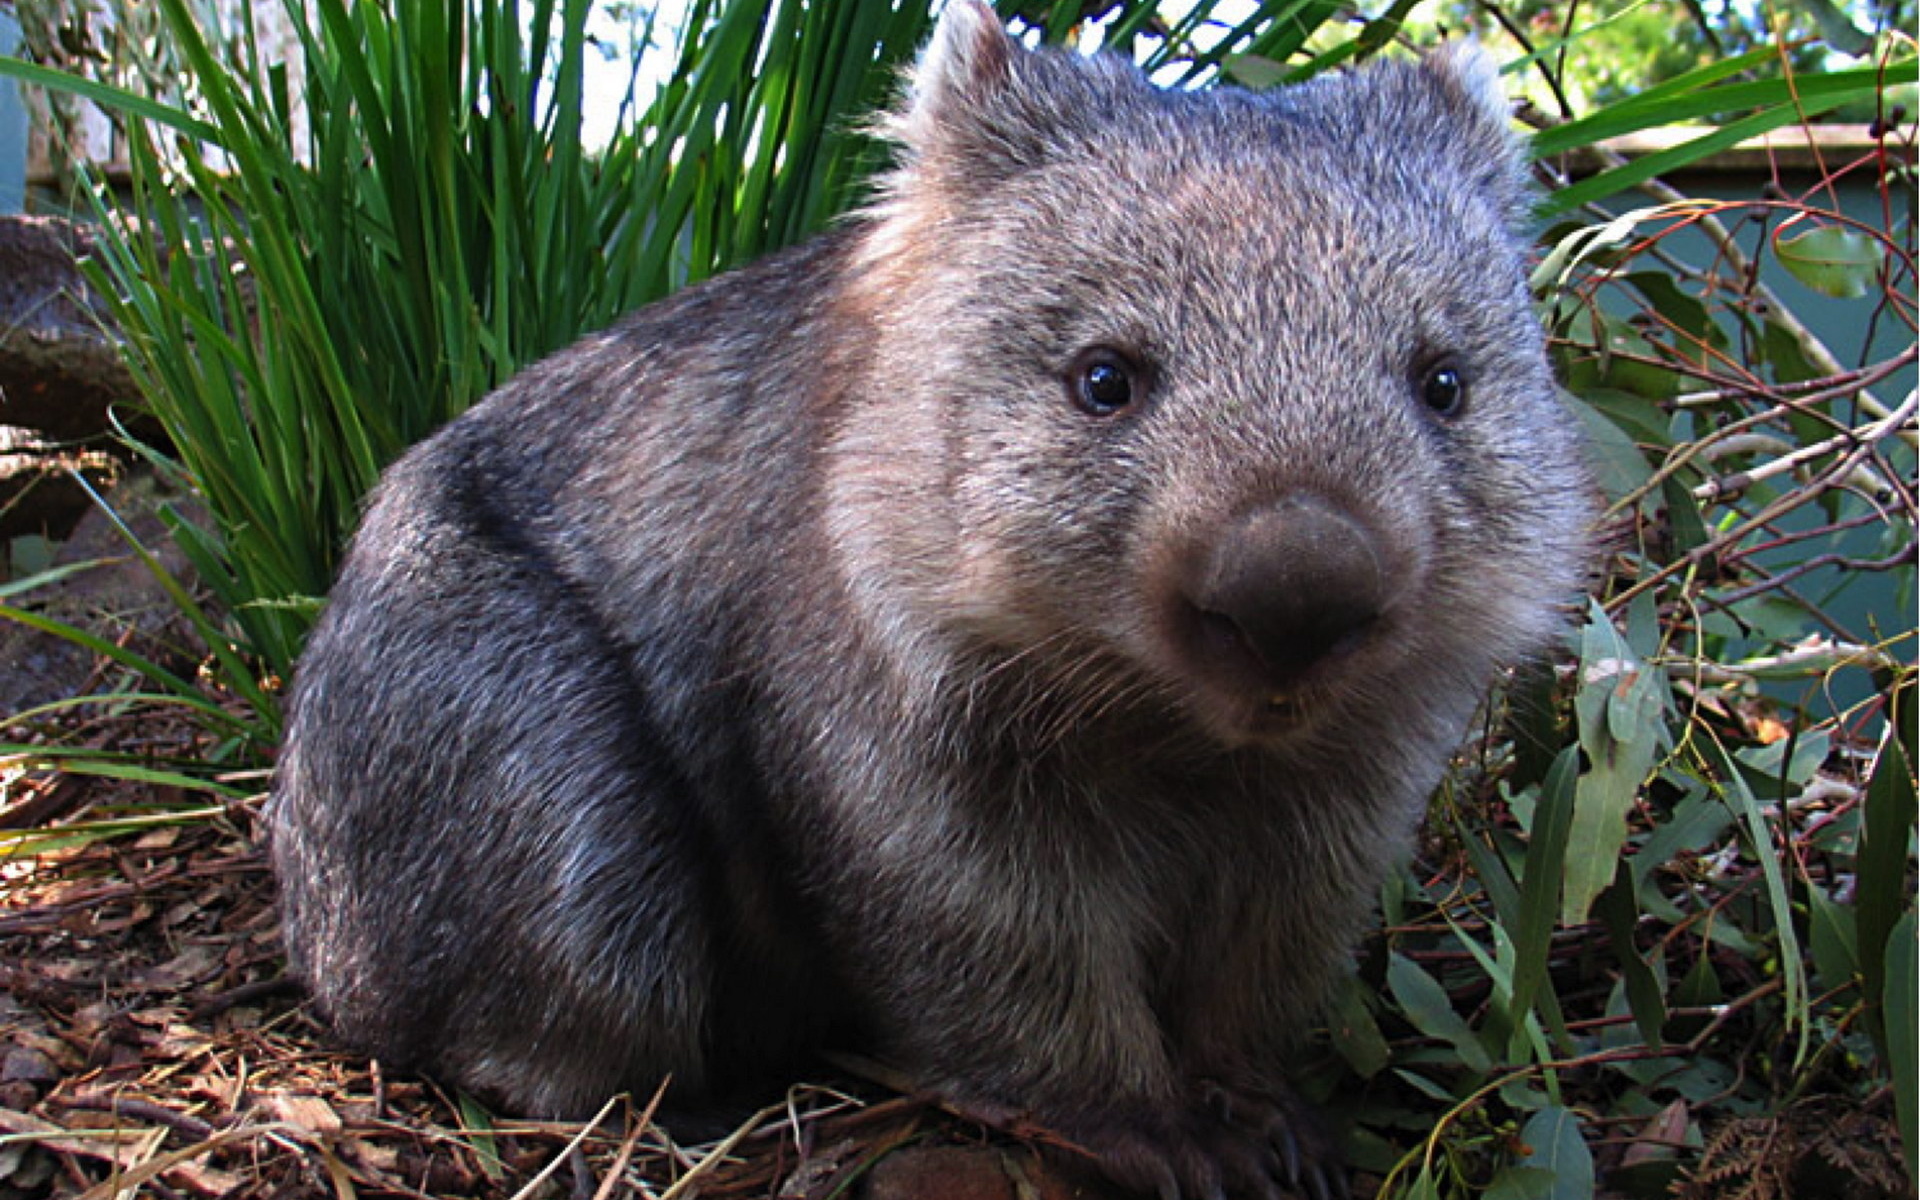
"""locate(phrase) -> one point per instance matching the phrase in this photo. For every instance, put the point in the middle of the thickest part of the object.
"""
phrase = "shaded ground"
(152, 1044)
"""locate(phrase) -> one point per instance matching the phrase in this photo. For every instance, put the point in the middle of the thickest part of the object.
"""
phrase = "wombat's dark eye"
(1101, 382)
(1443, 388)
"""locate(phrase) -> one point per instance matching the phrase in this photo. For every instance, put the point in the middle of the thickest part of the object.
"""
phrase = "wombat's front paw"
(1234, 1142)
(1273, 1117)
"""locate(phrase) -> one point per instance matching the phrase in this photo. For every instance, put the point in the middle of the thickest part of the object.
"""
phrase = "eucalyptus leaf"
(1522, 1183)
(1618, 910)
(1546, 854)
(1683, 518)
(1423, 1187)
(1789, 762)
(1692, 332)
(1830, 936)
(1884, 896)
(1832, 260)
(1621, 469)
(1553, 1136)
(1903, 1043)
(1425, 1003)
(1842, 34)
(1699, 820)
(1355, 1035)
(1760, 842)
(1619, 707)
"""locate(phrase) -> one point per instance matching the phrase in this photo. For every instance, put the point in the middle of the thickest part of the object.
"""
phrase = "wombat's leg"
(490, 862)
(1057, 1023)
(1265, 1144)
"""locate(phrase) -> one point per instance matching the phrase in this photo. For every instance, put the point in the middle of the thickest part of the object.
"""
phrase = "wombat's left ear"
(1470, 80)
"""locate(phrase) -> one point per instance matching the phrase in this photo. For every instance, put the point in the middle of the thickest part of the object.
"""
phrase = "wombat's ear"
(964, 65)
(979, 106)
(1482, 126)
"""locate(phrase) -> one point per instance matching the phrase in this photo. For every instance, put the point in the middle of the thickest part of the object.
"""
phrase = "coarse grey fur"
(818, 656)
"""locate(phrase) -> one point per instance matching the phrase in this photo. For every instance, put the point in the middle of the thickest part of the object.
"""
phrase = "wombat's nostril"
(1289, 585)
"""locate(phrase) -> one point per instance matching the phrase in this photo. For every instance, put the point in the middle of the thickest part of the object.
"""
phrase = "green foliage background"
(1671, 890)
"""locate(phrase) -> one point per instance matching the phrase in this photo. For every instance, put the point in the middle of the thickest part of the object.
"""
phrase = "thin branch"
(1740, 481)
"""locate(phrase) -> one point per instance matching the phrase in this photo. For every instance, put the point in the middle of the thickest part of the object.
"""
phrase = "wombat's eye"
(1101, 381)
(1443, 388)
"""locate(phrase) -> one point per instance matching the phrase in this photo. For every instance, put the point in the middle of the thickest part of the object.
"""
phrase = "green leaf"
(1426, 1087)
(1830, 936)
(1619, 912)
(107, 96)
(1780, 102)
(1553, 1135)
(1833, 260)
(50, 575)
(1784, 351)
(1684, 519)
(1792, 965)
(1256, 71)
(1903, 1015)
(186, 692)
(1621, 359)
(1787, 763)
(1426, 1004)
(1840, 33)
(1883, 897)
(1355, 1034)
(1688, 327)
(1621, 468)
(478, 1121)
(30, 843)
(1698, 821)
(1619, 707)
(1532, 933)
(1652, 106)
(1522, 1183)
(1423, 1187)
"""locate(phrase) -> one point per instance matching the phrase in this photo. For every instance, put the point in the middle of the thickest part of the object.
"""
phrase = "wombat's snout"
(1284, 587)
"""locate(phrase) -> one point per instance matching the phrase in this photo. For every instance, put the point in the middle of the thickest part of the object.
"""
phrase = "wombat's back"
(470, 878)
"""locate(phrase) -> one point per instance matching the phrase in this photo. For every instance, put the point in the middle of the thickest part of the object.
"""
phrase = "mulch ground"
(153, 1046)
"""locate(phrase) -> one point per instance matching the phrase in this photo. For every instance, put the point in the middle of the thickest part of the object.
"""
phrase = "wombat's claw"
(1286, 1135)
(1280, 1134)
(1165, 1185)
(1321, 1184)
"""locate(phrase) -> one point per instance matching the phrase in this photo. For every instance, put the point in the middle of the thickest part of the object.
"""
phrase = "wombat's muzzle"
(1284, 588)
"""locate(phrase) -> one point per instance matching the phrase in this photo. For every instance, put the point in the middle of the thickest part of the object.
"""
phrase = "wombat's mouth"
(1287, 708)
(1282, 662)
(1268, 689)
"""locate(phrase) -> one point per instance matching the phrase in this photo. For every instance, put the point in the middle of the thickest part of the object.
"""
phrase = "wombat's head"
(1229, 406)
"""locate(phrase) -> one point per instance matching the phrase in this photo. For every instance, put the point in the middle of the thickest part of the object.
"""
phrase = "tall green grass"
(301, 305)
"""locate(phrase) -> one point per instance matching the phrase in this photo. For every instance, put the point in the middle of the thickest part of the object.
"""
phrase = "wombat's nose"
(1291, 584)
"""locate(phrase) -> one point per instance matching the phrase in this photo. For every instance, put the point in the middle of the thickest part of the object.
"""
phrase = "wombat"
(1011, 634)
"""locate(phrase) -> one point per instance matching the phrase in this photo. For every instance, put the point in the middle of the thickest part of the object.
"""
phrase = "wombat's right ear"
(963, 66)
(978, 105)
